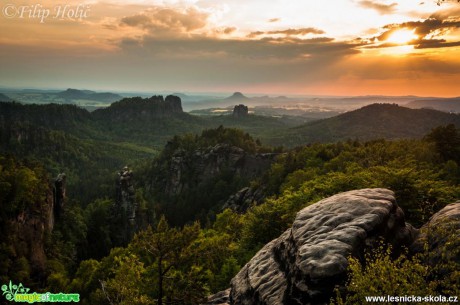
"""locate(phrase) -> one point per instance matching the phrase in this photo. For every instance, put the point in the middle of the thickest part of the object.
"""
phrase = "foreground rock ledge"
(304, 264)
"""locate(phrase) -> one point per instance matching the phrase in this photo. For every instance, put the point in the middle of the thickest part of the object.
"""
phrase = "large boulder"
(435, 234)
(307, 261)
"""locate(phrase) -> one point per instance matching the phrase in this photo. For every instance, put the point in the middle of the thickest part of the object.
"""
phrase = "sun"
(402, 36)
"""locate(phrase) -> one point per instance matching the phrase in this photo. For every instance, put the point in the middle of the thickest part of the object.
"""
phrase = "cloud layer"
(296, 47)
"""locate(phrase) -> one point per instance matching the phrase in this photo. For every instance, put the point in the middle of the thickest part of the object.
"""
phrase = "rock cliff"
(125, 204)
(137, 108)
(244, 198)
(307, 261)
(194, 176)
(240, 111)
(26, 223)
(188, 171)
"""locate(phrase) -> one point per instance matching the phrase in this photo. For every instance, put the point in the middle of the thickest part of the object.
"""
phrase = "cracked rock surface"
(307, 261)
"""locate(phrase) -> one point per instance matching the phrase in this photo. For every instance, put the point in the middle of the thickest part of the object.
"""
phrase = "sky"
(289, 47)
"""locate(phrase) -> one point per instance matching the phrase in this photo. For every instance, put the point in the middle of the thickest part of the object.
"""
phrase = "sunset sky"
(292, 47)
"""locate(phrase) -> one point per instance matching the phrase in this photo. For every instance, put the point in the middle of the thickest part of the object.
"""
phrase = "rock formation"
(307, 261)
(244, 198)
(240, 111)
(137, 108)
(220, 298)
(59, 195)
(24, 233)
(126, 203)
(447, 218)
(191, 170)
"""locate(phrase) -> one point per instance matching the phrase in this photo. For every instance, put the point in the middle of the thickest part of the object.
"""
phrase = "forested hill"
(69, 118)
(152, 121)
(149, 121)
(388, 121)
(74, 94)
(119, 121)
(4, 98)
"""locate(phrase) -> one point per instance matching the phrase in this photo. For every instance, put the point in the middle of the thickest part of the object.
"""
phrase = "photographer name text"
(41, 14)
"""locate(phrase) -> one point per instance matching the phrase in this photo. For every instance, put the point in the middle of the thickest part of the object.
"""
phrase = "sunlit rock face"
(307, 261)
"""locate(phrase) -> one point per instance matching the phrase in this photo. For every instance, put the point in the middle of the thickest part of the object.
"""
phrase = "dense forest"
(188, 242)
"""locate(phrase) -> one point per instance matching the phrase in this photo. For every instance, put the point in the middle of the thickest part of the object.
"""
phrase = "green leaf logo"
(9, 291)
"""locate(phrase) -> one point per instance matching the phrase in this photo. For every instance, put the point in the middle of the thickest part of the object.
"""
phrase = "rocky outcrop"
(191, 170)
(244, 198)
(59, 194)
(137, 108)
(125, 203)
(307, 261)
(240, 111)
(25, 233)
(220, 298)
(433, 235)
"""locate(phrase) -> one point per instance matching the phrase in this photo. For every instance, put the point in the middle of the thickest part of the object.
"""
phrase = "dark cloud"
(429, 32)
(229, 30)
(436, 43)
(286, 48)
(429, 26)
(383, 9)
(274, 20)
(288, 32)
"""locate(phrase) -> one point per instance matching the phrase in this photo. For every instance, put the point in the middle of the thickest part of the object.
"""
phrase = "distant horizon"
(5, 89)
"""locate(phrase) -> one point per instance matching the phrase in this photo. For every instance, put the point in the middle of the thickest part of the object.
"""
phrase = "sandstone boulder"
(307, 261)
(220, 298)
(433, 235)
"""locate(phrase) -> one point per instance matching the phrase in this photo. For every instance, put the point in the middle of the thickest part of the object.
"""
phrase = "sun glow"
(401, 36)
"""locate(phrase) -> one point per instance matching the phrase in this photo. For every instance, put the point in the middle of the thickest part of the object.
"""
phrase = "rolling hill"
(375, 121)
(71, 95)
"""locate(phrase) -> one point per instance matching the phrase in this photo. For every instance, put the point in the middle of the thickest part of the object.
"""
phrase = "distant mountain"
(447, 105)
(4, 98)
(75, 94)
(388, 121)
(237, 96)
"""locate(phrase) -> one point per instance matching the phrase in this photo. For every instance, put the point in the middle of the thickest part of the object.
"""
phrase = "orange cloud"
(167, 21)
